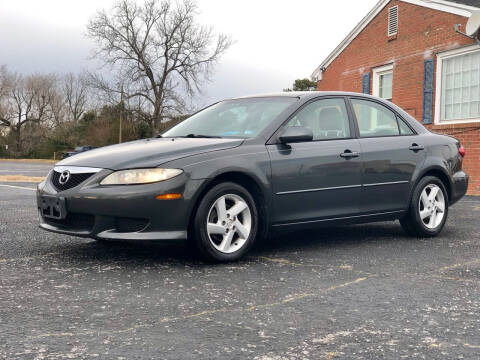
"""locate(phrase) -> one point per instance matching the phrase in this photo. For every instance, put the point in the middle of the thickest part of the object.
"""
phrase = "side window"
(374, 119)
(404, 128)
(327, 118)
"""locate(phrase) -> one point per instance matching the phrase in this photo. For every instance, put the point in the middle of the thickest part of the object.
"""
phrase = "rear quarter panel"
(443, 151)
(442, 155)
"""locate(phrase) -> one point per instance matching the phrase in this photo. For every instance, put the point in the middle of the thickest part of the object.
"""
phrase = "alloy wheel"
(229, 223)
(431, 206)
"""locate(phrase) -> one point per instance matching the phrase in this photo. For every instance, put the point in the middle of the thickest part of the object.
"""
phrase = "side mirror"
(293, 134)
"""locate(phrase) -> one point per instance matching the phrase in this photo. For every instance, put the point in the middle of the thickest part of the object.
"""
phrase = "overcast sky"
(276, 41)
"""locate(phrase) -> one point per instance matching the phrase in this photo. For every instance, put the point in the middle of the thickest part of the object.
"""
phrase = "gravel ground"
(363, 292)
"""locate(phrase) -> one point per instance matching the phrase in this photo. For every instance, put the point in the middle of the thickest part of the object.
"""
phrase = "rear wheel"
(226, 223)
(428, 209)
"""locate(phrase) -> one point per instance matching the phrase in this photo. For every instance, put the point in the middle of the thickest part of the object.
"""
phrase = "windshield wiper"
(200, 136)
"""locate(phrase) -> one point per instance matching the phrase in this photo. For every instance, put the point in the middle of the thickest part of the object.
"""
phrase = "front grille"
(73, 222)
(126, 225)
(75, 180)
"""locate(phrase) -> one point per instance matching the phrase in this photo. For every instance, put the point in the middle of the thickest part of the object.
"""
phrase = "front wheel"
(226, 223)
(428, 209)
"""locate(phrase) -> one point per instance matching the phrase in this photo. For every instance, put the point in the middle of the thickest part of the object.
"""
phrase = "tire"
(425, 217)
(227, 237)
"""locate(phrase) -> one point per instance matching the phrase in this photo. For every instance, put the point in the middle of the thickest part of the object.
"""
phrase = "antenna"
(472, 29)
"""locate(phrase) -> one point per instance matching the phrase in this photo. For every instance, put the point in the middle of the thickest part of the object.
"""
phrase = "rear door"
(321, 178)
(391, 153)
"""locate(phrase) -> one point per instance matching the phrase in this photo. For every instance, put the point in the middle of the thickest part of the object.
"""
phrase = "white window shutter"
(392, 21)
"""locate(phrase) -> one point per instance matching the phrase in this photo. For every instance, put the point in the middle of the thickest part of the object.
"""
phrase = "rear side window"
(404, 128)
(327, 118)
(374, 120)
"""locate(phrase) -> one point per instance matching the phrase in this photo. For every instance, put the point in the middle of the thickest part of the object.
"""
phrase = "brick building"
(409, 52)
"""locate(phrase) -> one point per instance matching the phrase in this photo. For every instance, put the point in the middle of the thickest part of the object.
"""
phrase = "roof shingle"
(475, 3)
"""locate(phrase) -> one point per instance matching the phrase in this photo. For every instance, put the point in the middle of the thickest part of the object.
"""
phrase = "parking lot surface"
(363, 292)
(25, 169)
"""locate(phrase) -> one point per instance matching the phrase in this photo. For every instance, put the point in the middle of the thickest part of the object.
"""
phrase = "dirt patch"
(38, 161)
(21, 178)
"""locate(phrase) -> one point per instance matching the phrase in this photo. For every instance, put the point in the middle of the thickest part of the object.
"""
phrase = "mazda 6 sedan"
(241, 168)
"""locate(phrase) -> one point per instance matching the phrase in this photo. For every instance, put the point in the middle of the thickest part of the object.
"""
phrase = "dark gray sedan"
(231, 173)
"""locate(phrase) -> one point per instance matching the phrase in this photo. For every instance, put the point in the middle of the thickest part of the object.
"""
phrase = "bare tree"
(157, 50)
(5, 80)
(75, 90)
(25, 100)
(5, 113)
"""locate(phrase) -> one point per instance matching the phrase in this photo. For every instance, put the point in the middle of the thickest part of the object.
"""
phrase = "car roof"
(303, 94)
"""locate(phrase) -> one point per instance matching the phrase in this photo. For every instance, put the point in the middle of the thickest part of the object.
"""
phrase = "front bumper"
(459, 186)
(129, 212)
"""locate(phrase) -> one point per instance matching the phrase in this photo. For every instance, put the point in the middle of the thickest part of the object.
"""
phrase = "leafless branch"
(158, 49)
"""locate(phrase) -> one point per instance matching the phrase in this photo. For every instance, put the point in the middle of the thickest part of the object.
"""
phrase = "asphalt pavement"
(25, 169)
(361, 292)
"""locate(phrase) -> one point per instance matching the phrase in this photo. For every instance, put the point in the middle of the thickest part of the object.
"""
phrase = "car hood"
(147, 153)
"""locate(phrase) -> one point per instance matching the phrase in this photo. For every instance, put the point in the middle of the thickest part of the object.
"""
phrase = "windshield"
(244, 118)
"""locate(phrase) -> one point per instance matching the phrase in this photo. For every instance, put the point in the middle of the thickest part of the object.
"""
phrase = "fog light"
(169, 196)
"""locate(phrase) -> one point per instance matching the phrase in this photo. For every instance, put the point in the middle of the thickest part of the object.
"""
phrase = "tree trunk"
(18, 140)
(156, 117)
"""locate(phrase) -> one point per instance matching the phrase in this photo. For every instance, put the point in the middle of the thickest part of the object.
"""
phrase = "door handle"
(347, 154)
(416, 147)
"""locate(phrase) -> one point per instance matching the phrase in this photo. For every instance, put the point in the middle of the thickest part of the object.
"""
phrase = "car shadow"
(331, 237)
(143, 253)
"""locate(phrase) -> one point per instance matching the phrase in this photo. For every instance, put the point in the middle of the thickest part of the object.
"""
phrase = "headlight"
(140, 176)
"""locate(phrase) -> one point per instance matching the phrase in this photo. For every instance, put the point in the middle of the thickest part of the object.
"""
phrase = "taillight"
(461, 151)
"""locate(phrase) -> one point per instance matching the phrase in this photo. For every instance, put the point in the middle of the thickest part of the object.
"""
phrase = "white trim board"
(438, 83)
(446, 6)
(441, 5)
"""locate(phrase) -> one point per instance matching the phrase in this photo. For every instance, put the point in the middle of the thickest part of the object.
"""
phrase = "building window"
(383, 82)
(392, 21)
(458, 86)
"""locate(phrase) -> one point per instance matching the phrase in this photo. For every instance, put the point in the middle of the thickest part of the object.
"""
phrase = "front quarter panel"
(249, 159)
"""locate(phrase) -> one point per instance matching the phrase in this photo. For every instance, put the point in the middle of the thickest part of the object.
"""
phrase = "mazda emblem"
(64, 177)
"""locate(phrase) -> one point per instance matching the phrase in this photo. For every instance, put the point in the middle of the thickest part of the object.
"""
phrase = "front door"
(391, 153)
(317, 179)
